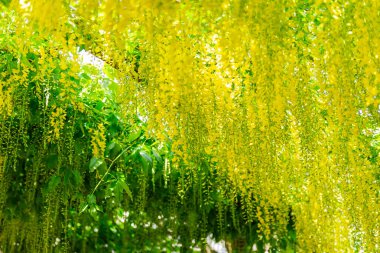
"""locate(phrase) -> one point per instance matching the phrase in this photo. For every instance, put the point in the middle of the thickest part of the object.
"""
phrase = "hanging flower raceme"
(57, 122)
(98, 140)
(273, 98)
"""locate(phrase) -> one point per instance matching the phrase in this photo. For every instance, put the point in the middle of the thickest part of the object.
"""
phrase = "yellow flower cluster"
(98, 140)
(57, 122)
(275, 95)
(6, 107)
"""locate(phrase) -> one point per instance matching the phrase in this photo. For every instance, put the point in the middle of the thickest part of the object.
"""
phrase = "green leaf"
(120, 187)
(5, 2)
(157, 155)
(146, 160)
(134, 135)
(95, 163)
(77, 177)
(91, 199)
(52, 161)
(85, 76)
(54, 182)
(112, 150)
(99, 105)
(72, 179)
(126, 188)
(82, 47)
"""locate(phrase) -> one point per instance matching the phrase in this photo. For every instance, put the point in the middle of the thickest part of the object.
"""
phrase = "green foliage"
(56, 196)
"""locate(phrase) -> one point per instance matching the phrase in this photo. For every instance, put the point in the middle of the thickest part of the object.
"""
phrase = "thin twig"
(105, 174)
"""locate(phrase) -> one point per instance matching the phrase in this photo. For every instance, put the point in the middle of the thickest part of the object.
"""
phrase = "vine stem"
(105, 174)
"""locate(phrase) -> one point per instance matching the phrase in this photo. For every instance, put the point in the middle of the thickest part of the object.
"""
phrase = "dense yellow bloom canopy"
(281, 98)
